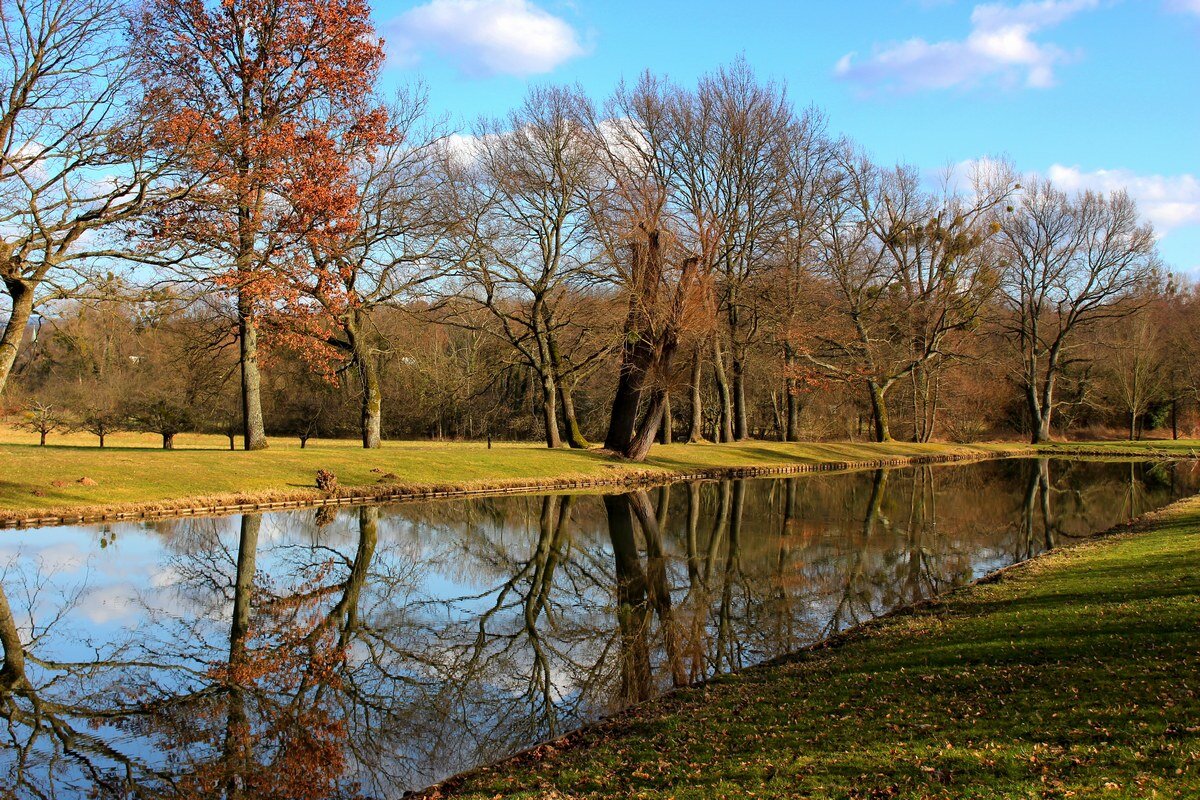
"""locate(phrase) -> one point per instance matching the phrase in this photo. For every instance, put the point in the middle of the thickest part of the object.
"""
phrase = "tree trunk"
(623, 420)
(643, 439)
(368, 538)
(632, 606)
(42, 438)
(168, 441)
(254, 436)
(741, 417)
(12, 670)
(303, 442)
(879, 412)
(696, 425)
(638, 350)
(371, 417)
(550, 410)
(1174, 418)
(657, 587)
(875, 503)
(247, 558)
(1041, 407)
(725, 429)
(237, 729)
(14, 330)
(101, 441)
(1132, 426)
(792, 418)
(664, 430)
(1042, 434)
(776, 416)
(575, 437)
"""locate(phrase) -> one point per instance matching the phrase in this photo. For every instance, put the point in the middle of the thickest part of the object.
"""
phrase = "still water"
(372, 650)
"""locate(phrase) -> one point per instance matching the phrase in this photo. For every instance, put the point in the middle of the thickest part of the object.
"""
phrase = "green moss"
(1072, 676)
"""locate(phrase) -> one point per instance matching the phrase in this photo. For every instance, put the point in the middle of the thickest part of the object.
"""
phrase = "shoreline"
(630, 476)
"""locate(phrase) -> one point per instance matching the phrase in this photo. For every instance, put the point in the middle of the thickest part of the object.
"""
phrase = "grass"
(1075, 675)
(133, 472)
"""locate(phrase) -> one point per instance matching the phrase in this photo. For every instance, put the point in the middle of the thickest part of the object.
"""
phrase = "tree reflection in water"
(302, 655)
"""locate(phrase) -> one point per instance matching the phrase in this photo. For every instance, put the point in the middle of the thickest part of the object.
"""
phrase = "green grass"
(133, 472)
(1076, 675)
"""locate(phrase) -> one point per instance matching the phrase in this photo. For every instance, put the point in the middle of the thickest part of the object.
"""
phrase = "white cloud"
(1184, 6)
(1170, 202)
(1000, 48)
(486, 37)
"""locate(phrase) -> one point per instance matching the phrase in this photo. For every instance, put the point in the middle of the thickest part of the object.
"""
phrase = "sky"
(1096, 94)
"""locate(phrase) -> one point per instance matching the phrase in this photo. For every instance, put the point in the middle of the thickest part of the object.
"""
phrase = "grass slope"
(1075, 675)
(34, 479)
(134, 472)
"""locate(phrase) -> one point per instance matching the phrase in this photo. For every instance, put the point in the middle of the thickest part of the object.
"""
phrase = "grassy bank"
(72, 475)
(1075, 675)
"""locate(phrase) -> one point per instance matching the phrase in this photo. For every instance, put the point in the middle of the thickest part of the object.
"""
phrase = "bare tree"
(533, 179)
(72, 162)
(402, 221)
(43, 419)
(1135, 365)
(806, 187)
(904, 269)
(661, 279)
(729, 144)
(1073, 262)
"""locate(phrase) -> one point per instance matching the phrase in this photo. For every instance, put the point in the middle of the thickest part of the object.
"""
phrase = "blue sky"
(1093, 93)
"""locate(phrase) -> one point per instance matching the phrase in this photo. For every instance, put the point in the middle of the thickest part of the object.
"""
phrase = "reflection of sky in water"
(454, 673)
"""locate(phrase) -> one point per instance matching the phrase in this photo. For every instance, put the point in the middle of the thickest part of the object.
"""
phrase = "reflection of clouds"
(67, 573)
(113, 603)
(56, 558)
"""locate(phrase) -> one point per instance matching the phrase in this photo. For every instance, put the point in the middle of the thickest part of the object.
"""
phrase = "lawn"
(1075, 675)
(71, 474)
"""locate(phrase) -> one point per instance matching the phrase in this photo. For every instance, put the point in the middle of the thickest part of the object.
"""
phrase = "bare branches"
(1072, 262)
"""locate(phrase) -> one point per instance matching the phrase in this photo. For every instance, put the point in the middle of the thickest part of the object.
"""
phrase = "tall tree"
(903, 270)
(534, 177)
(402, 219)
(1073, 262)
(261, 100)
(730, 141)
(1136, 371)
(661, 280)
(71, 158)
(806, 185)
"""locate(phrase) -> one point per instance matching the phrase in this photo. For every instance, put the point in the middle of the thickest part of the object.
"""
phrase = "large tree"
(1073, 262)
(902, 270)
(729, 144)
(72, 163)
(534, 177)
(264, 102)
(661, 280)
(402, 219)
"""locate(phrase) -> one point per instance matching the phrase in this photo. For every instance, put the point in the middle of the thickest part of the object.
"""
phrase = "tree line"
(213, 220)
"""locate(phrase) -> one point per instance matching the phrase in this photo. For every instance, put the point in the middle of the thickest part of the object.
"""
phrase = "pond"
(368, 651)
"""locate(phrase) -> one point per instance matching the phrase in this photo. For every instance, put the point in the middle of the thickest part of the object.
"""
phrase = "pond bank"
(1071, 675)
(66, 485)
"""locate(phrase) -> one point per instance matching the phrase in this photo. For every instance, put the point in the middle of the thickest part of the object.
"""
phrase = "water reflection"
(372, 650)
